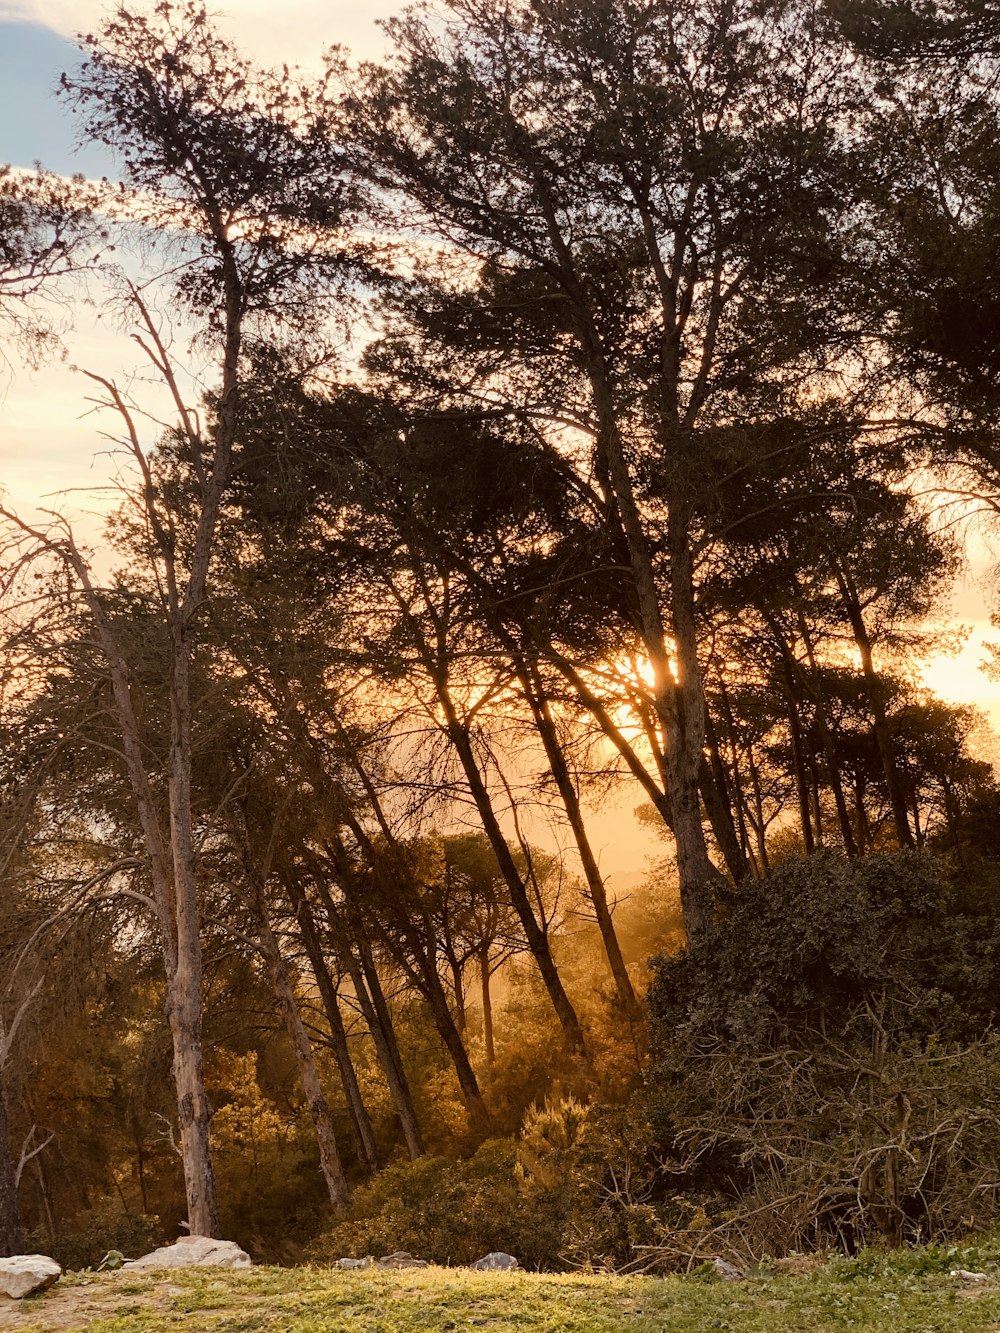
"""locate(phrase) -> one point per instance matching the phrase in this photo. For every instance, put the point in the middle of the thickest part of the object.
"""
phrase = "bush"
(448, 1212)
(821, 1076)
(823, 939)
(100, 1229)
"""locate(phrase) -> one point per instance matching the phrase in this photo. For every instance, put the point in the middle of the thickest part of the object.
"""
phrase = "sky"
(48, 439)
(52, 452)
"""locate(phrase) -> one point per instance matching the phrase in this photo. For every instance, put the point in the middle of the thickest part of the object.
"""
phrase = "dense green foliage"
(843, 1087)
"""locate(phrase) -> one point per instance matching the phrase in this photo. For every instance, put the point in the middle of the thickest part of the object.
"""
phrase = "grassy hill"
(902, 1293)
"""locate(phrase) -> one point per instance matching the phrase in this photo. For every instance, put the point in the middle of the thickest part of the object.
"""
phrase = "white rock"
(496, 1261)
(25, 1274)
(366, 1262)
(966, 1276)
(195, 1252)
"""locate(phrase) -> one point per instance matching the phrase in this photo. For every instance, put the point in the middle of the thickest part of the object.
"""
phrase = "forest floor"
(906, 1292)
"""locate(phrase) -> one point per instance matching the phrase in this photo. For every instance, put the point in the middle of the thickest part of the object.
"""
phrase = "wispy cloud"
(295, 31)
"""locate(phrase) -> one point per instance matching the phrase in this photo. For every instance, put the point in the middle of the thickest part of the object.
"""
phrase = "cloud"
(296, 31)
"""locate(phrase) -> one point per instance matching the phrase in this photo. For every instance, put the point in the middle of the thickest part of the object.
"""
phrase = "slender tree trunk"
(862, 823)
(678, 691)
(360, 1120)
(45, 1193)
(420, 967)
(876, 698)
(814, 796)
(357, 958)
(184, 999)
(452, 1038)
(422, 970)
(184, 1018)
(656, 793)
(536, 938)
(760, 823)
(172, 872)
(10, 1219)
(798, 765)
(375, 1009)
(485, 976)
(714, 787)
(140, 1163)
(826, 736)
(737, 781)
(319, 1108)
(458, 988)
(558, 767)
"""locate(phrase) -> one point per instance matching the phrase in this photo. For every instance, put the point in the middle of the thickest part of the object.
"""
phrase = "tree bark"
(319, 1109)
(10, 1217)
(558, 767)
(184, 1018)
(876, 697)
(360, 1120)
(357, 958)
(485, 975)
(536, 938)
(184, 999)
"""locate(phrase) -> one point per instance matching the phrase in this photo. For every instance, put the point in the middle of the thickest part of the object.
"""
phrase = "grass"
(906, 1292)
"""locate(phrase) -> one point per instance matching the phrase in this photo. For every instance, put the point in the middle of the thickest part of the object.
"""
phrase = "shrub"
(822, 1077)
(102, 1228)
(448, 1212)
(821, 940)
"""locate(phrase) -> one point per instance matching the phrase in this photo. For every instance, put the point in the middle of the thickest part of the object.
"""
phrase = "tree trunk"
(714, 788)
(455, 1046)
(184, 1000)
(360, 1120)
(876, 697)
(458, 989)
(737, 782)
(760, 821)
(184, 1018)
(545, 725)
(684, 726)
(536, 938)
(678, 692)
(423, 972)
(420, 966)
(319, 1109)
(798, 761)
(10, 1218)
(357, 958)
(826, 737)
(375, 1009)
(485, 975)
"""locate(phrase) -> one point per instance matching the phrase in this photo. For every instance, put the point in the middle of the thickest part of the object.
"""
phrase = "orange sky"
(49, 442)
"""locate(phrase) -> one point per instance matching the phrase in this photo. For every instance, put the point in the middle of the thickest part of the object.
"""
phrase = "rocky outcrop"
(195, 1252)
(496, 1262)
(24, 1274)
